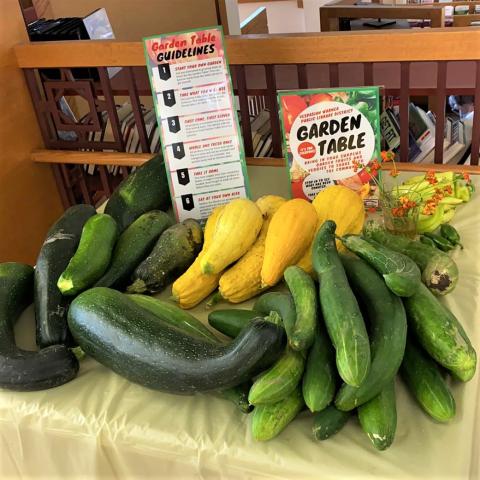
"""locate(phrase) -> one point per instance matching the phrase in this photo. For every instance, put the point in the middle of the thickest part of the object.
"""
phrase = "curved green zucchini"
(388, 332)
(270, 420)
(439, 271)
(425, 382)
(92, 256)
(340, 309)
(320, 377)
(231, 321)
(304, 294)
(23, 370)
(441, 334)
(401, 273)
(279, 302)
(175, 316)
(51, 306)
(280, 380)
(133, 245)
(143, 190)
(173, 253)
(132, 342)
(378, 417)
(328, 422)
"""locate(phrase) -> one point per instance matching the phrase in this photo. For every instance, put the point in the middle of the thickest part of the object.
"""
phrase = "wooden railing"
(260, 66)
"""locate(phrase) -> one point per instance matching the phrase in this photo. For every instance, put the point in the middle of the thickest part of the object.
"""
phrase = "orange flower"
(466, 176)
(375, 165)
(387, 156)
(448, 190)
(431, 178)
(403, 200)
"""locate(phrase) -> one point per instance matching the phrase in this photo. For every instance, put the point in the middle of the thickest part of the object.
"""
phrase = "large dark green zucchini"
(388, 332)
(173, 253)
(340, 309)
(133, 343)
(133, 245)
(23, 370)
(143, 190)
(58, 248)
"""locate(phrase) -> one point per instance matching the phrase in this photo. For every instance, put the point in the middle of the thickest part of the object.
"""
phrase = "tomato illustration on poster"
(330, 136)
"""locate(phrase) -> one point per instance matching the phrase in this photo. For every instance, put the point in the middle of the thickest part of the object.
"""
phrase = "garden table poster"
(329, 137)
(199, 130)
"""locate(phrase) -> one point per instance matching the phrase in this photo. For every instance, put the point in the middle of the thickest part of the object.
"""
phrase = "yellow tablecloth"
(102, 426)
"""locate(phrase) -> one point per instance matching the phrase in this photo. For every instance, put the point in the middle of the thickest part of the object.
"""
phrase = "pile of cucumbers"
(347, 342)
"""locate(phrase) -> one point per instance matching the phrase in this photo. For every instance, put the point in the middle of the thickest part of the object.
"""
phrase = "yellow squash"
(193, 286)
(243, 280)
(290, 232)
(235, 232)
(343, 206)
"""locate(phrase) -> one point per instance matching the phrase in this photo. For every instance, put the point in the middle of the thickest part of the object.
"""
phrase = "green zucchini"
(426, 384)
(378, 417)
(92, 256)
(340, 309)
(270, 420)
(441, 334)
(119, 334)
(328, 422)
(280, 380)
(22, 370)
(173, 253)
(302, 288)
(401, 273)
(133, 245)
(175, 316)
(279, 302)
(143, 190)
(231, 321)
(51, 306)
(388, 332)
(320, 377)
(439, 271)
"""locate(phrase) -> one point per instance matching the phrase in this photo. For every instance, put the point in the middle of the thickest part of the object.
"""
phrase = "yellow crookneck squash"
(235, 232)
(343, 206)
(243, 280)
(194, 286)
(290, 232)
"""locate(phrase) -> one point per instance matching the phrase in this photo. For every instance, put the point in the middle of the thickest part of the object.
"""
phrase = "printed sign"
(330, 136)
(201, 141)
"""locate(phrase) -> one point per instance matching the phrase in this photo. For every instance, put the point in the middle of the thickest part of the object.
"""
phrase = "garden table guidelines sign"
(193, 98)
(329, 137)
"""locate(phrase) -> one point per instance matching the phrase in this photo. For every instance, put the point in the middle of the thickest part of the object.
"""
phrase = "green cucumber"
(401, 273)
(439, 271)
(238, 396)
(340, 309)
(450, 233)
(441, 334)
(328, 422)
(22, 370)
(231, 321)
(268, 421)
(280, 380)
(143, 190)
(378, 417)
(51, 306)
(175, 316)
(133, 245)
(173, 253)
(440, 242)
(121, 335)
(320, 377)
(426, 384)
(279, 302)
(92, 256)
(388, 332)
(302, 288)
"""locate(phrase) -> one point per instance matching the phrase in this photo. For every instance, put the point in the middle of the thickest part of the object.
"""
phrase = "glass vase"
(399, 217)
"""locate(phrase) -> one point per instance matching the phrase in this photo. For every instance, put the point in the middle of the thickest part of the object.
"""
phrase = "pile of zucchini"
(347, 343)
